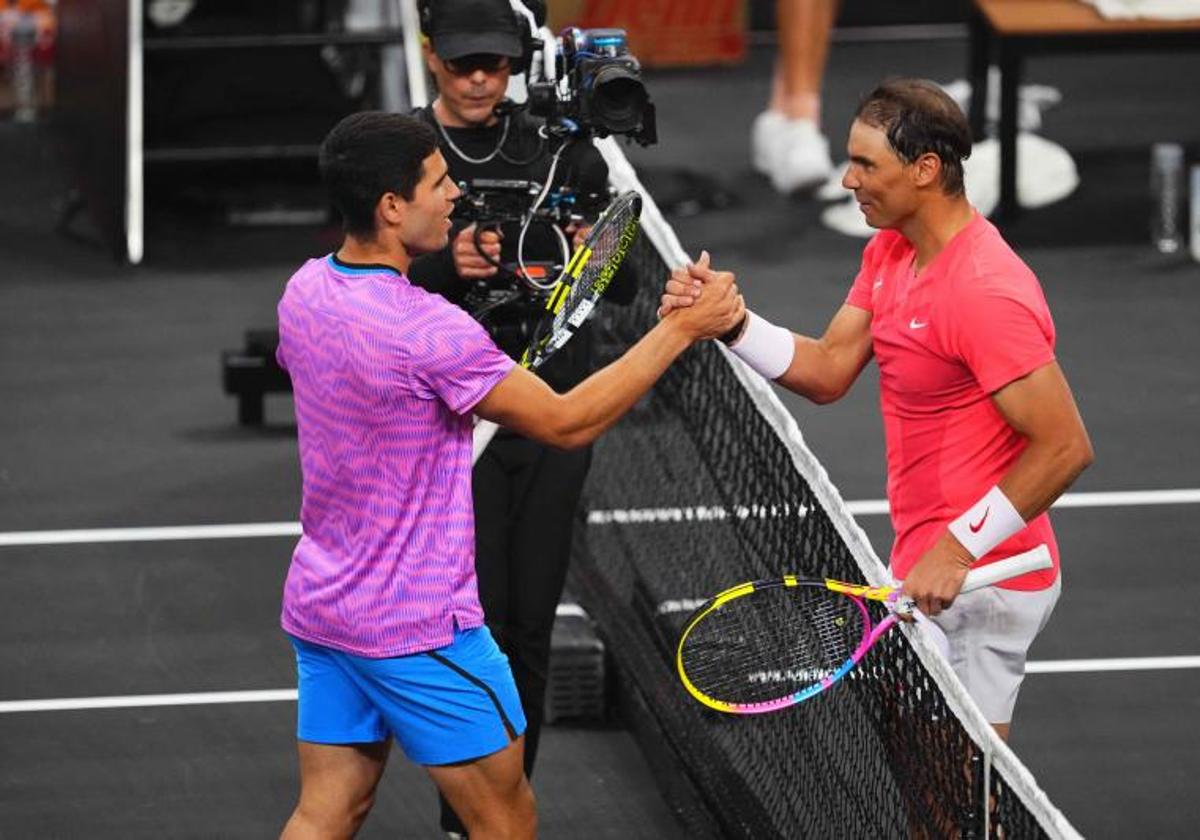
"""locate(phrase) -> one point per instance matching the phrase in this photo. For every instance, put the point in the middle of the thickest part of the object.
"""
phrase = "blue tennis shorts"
(443, 706)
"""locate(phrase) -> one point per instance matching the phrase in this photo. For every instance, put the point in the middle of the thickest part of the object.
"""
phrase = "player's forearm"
(818, 372)
(596, 404)
(1045, 470)
(821, 369)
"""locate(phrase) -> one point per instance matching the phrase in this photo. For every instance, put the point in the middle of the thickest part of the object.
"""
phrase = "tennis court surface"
(114, 420)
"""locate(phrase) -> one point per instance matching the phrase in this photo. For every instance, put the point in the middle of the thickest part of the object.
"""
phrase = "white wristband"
(987, 523)
(765, 347)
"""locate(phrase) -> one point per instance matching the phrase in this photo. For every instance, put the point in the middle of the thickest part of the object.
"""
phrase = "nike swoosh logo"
(914, 324)
(878, 283)
(975, 526)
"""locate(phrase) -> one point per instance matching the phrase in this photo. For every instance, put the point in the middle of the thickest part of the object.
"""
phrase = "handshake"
(720, 312)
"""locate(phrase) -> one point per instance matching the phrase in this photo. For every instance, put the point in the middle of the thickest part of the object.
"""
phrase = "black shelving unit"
(234, 92)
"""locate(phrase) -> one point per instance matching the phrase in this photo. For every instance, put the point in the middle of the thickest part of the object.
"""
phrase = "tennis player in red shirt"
(981, 429)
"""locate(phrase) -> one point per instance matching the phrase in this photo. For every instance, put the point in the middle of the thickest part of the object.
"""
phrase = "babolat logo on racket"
(575, 297)
(628, 234)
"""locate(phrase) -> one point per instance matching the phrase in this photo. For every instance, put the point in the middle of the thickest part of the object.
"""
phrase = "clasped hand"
(706, 315)
(685, 284)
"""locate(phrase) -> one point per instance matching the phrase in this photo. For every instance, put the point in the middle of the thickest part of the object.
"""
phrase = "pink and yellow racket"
(770, 644)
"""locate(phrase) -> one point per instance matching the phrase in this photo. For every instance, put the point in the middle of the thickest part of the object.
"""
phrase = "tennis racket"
(573, 299)
(586, 278)
(769, 644)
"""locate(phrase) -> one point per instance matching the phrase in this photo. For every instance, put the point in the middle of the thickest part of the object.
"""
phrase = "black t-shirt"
(523, 156)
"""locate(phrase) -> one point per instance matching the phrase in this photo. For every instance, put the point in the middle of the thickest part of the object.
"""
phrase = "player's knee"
(341, 817)
(512, 815)
(525, 821)
(521, 818)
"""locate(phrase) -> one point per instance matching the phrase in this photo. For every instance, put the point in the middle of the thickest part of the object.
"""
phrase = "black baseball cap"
(470, 27)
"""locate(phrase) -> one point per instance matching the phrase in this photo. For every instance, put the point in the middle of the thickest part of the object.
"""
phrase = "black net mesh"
(693, 493)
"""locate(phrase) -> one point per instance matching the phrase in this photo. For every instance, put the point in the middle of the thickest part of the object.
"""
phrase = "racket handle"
(1029, 561)
(481, 436)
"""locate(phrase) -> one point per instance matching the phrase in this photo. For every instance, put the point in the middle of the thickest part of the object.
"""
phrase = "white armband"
(987, 523)
(765, 347)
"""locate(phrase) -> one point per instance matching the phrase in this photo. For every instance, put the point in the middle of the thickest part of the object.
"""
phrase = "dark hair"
(919, 118)
(368, 154)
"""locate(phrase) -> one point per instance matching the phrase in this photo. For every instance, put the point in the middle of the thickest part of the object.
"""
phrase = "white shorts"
(987, 634)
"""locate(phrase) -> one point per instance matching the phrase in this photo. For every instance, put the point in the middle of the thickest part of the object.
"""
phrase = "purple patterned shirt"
(385, 376)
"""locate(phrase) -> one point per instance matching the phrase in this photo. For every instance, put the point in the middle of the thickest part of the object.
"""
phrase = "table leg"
(1010, 81)
(977, 75)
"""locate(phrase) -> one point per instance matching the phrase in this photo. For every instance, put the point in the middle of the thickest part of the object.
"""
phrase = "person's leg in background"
(787, 144)
(539, 554)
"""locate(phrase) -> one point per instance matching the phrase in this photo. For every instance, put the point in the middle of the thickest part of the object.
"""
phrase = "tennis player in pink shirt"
(981, 429)
(380, 602)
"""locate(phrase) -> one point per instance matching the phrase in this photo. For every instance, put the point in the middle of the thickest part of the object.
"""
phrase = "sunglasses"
(467, 64)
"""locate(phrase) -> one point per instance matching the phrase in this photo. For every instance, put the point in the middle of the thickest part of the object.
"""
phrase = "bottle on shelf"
(1195, 221)
(1166, 188)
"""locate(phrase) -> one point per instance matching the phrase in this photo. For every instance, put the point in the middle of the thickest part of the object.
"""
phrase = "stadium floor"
(113, 417)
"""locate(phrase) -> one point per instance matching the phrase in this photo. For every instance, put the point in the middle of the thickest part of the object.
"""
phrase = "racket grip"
(1029, 561)
(481, 436)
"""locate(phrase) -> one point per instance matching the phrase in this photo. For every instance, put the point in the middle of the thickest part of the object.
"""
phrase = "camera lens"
(618, 98)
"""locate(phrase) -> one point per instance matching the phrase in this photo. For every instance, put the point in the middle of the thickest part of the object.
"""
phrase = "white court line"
(1092, 666)
(863, 507)
(212, 698)
(877, 507)
(182, 532)
(141, 701)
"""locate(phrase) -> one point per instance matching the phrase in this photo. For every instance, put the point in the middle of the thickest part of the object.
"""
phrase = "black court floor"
(111, 416)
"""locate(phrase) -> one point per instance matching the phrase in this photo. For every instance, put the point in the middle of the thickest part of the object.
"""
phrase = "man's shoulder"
(885, 245)
(990, 262)
(361, 293)
(304, 278)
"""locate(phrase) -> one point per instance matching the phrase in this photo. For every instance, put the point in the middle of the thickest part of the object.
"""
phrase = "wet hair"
(368, 154)
(920, 118)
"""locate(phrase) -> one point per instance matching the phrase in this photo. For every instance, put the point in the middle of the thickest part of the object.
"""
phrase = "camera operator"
(525, 493)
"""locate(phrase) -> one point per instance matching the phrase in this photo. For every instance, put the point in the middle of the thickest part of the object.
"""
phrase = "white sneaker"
(763, 132)
(847, 218)
(792, 153)
(1046, 173)
(832, 189)
(1032, 100)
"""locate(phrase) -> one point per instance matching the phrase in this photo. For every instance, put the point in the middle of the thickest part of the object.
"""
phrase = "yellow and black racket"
(586, 278)
(573, 299)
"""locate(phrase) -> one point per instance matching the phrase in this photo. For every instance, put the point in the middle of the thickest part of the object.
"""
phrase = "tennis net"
(709, 483)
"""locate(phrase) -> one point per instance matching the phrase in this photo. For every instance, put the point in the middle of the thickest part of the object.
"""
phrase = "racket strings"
(771, 644)
(605, 244)
(585, 278)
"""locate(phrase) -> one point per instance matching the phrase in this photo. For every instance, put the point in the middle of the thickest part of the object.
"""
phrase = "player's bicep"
(847, 339)
(1039, 405)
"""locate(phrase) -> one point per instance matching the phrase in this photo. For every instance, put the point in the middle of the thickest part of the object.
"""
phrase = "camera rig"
(489, 203)
(586, 84)
(599, 89)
